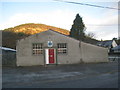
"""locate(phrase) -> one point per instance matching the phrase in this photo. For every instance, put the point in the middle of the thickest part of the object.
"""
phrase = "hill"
(9, 38)
(11, 35)
(31, 28)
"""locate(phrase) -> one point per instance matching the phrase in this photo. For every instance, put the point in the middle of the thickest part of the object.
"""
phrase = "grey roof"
(116, 48)
(107, 43)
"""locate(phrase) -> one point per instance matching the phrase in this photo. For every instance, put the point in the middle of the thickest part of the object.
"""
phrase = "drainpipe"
(81, 60)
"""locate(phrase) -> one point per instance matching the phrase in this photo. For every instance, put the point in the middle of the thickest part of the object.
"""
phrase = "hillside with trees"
(11, 35)
(32, 28)
(9, 39)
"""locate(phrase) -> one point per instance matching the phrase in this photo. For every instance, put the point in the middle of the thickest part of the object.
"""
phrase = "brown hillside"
(32, 28)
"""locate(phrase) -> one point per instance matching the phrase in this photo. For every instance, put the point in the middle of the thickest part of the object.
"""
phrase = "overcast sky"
(103, 22)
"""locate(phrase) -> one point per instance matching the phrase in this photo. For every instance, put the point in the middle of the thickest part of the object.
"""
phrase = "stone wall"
(8, 58)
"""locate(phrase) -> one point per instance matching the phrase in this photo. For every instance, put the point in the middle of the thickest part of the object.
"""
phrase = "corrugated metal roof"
(7, 49)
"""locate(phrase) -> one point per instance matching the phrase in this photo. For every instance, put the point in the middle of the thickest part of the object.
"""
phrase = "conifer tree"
(78, 28)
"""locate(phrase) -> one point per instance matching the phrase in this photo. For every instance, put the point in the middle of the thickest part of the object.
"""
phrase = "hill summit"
(32, 28)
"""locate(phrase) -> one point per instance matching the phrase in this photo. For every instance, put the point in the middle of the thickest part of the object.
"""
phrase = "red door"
(51, 56)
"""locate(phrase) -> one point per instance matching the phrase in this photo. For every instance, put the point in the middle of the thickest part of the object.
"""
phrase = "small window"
(62, 48)
(37, 48)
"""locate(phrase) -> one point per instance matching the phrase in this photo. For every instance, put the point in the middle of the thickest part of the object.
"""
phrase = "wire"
(88, 4)
(102, 25)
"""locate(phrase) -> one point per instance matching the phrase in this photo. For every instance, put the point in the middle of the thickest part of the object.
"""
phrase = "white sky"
(102, 22)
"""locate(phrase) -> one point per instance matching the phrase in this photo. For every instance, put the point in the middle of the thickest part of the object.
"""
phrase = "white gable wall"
(89, 53)
(24, 49)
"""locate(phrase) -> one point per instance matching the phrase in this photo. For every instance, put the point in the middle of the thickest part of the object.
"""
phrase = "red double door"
(51, 54)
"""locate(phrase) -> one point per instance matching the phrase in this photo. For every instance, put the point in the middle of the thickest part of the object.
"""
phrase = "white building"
(50, 47)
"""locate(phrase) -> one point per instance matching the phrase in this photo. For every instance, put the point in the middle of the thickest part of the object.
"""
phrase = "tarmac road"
(101, 81)
(100, 75)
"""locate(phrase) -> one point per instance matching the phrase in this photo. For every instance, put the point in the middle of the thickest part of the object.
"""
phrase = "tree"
(91, 35)
(78, 28)
(114, 38)
(21, 34)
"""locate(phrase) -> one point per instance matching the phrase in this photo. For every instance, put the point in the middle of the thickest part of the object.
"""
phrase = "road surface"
(100, 75)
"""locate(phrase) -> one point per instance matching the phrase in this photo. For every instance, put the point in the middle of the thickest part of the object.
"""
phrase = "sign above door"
(50, 43)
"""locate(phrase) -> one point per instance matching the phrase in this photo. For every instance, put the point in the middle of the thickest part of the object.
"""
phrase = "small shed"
(8, 56)
(50, 47)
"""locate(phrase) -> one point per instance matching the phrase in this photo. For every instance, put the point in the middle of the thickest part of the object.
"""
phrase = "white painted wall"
(114, 44)
(86, 53)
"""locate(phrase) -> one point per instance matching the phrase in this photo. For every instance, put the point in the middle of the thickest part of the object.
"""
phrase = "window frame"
(37, 49)
(62, 47)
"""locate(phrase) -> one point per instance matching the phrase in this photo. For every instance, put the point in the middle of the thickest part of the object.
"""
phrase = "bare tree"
(91, 35)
